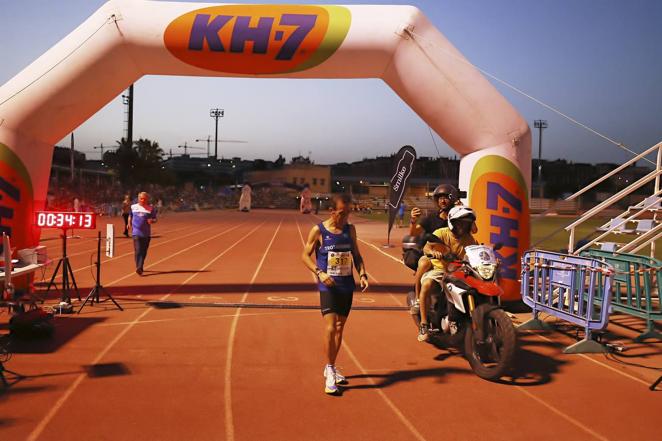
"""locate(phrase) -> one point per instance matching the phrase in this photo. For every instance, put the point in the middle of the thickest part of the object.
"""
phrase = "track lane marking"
(60, 402)
(381, 251)
(206, 317)
(403, 419)
(382, 394)
(229, 421)
(93, 240)
(611, 368)
(131, 252)
(170, 256)
(561, 414)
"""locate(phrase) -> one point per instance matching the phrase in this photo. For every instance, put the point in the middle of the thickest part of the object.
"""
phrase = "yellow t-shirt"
(455, 244)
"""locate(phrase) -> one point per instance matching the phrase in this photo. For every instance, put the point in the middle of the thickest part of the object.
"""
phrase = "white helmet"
(460, 212)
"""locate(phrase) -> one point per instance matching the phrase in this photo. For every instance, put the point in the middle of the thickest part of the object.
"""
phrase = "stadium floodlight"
(216, 114)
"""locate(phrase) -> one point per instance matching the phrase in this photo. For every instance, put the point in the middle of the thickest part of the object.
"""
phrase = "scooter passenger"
(453, 240)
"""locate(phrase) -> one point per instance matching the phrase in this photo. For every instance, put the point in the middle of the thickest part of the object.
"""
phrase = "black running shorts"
(339, 302)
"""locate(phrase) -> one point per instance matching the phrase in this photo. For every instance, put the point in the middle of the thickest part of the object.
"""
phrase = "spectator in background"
(305, 205)
(245, 198)
(401, 215)
(126, 211)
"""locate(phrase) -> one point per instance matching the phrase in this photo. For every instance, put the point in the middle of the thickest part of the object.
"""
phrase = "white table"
(23, 270)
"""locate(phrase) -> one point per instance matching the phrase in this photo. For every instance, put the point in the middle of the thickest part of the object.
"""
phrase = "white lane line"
(58, 405)
(170, 256)
(381, 251)
(206, 317)
(130, 253)
(408, 424)
(93, 240)
(395, 299)
(611, 368)
(561, 414)
(229, 421)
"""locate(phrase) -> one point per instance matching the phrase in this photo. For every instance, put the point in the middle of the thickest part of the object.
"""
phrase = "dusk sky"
(599, 61)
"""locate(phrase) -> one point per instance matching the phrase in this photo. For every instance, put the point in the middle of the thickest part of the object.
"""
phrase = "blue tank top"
(338, 249)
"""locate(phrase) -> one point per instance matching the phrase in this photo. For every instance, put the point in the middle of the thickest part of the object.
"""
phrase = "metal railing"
(636, 290)
(653, 175)
(614, 228)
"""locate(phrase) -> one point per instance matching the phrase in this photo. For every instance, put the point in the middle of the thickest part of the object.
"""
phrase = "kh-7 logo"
(206, 29)
(258, 39)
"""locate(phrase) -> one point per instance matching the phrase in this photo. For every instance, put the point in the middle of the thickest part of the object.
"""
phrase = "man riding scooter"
(445, 197)
(453, 240)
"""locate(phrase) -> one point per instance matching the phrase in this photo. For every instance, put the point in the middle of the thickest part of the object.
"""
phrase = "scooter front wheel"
(492, 357)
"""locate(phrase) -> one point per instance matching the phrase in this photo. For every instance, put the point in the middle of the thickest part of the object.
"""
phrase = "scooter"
(469, 315)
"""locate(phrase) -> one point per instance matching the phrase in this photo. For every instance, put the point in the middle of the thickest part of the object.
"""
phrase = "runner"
(142, 216)
(335, 245)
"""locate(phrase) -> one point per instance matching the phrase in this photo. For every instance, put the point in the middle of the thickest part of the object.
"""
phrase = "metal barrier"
(636, 287)
(575, 289)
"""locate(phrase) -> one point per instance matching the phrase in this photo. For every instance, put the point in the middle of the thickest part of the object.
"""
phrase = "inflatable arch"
(126, 39)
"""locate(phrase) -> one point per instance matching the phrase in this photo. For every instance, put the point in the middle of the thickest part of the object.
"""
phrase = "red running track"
(207, 373)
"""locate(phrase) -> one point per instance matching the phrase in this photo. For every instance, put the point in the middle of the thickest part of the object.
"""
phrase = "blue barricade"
(575, 289)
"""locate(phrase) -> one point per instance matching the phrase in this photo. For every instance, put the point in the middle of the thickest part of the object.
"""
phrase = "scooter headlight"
(486, 271)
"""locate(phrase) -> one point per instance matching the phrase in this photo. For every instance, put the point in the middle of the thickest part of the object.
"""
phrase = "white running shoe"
(340, 378)
(330, 380)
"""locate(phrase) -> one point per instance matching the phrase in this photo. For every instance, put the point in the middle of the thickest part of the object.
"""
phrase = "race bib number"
(339, 263)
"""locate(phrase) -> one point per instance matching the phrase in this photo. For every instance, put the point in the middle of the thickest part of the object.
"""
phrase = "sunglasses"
(444, 196)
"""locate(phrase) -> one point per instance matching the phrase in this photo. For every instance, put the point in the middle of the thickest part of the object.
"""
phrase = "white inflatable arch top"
(126, 39)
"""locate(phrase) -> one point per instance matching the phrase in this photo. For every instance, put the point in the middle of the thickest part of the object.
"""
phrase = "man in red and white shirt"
(141, 218)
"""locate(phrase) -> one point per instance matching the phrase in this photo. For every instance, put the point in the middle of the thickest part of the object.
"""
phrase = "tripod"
(66, 273)
(4, 357)
(93, 296)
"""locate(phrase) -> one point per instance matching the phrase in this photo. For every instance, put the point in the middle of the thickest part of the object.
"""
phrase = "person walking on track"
(142, 216)
(335, 245)
(126, 211)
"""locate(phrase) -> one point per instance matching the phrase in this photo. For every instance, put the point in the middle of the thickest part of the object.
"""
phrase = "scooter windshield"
(479, 255)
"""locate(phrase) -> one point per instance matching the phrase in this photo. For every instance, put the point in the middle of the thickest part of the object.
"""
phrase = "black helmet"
(446, 189)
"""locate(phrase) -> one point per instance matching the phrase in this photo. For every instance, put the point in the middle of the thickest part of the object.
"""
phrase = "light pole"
(540, 124)
(208, 142)
(216, 114)
(128, 101)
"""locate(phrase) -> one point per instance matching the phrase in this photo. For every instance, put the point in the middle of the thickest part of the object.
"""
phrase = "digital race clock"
(57, 219)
